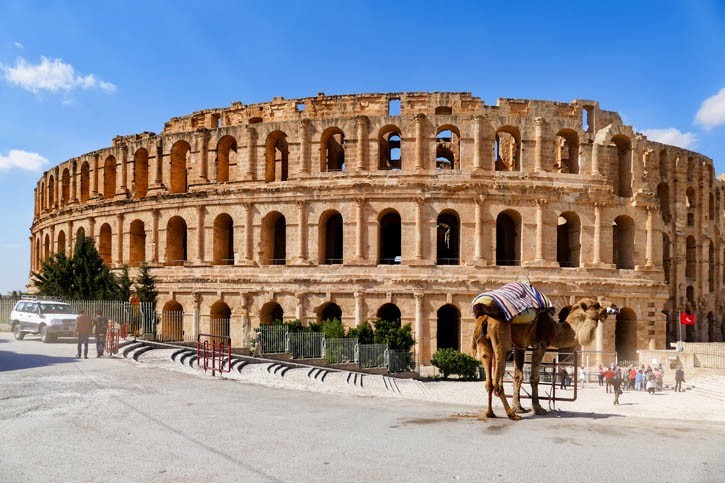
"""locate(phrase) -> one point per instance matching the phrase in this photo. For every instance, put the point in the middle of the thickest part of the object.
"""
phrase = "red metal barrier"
(214, 352)
(123, 331)
(112, 339)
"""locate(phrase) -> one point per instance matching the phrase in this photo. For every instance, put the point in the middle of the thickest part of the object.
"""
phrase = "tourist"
(679, 379)
(617, 385)
(600, 375)
(564, 375)
(82, 331)
(659, 378)
(639, 381)
(608, 375)
(582, 375)
(100, 325)
(632, 377)
(651, 385)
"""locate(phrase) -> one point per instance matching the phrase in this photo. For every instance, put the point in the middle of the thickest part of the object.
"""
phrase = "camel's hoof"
(519, 409)
(514, 417)
(490, 414)
(541, 411)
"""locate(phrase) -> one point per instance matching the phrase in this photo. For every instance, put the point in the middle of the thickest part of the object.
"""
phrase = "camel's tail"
(479, 331)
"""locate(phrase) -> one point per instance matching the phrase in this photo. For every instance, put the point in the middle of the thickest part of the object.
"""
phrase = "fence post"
(386, 358)
(286, 342)
(357, 353)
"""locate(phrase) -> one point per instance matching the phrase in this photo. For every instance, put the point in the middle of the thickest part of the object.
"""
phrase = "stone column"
(362, 141)
(94, 179)
(200, 211)
(359, 228)
(650, 238)
(246, 321)
(305, 146)
(123, 158)
(539, 147)
(478, 245)
(358, 307)
(418, 329)
(196, 313)
(251, 154)
(202, 143)
(74, 183)
(597, 255)
(302, 228)
(477, 142)
(419, 141)
(58, 190)
(540, 229)
(246, 255)
(119, 238)
(159, 168)
(300, 307)
(595, 158)
(419, 228)
(155, 236)
(69, 239)
(53, 242)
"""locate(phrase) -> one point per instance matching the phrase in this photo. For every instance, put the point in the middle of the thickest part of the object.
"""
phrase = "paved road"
(63, 419)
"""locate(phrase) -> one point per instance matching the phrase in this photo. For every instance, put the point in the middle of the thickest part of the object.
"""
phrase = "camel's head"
(584, 317)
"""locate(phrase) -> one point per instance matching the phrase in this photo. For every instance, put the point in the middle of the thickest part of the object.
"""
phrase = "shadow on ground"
(12, 361)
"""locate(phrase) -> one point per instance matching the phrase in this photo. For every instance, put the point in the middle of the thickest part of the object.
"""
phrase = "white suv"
(49, 318)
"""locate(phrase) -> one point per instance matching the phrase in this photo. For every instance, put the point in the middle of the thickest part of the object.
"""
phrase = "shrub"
(363, 333)
(333, 329)
(393, 335)
(451, 361)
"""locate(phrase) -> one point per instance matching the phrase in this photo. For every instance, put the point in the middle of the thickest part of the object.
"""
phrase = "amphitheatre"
(402, 206)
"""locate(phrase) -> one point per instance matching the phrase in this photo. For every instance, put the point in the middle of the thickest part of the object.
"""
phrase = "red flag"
(687, 319)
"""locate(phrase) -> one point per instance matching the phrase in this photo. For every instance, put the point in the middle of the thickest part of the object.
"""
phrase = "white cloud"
(51, 75)
(672, 136)
(22, 160)
(712, 111)
(18, 45)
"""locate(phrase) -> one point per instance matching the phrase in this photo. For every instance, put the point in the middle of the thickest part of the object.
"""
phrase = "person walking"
(679, 379)
(600, 375)
(82, 331)
(608, 375)
(100, 326)
(258, 343)
(564, 375)
(617, 385)
(582, 375)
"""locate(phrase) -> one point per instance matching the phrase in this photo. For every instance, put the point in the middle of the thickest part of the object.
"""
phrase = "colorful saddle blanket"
(520, 302)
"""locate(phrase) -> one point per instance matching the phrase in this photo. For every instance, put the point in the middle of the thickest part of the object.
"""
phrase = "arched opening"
(448, 235)
(172, 321)
(391, 313)
(176, 243)
(568, 240)
(389, 142)
(663, 196)
(104, 243)
(711, 207)
(332, 149)
(43, 194)
(713, 331)
(80, 233)
(85, 181)
(625, 335)
(331, 238)
(51, 192)
(219, 319)
(508, 238)
(711, 267)
(390, 252)
(109, 178)
(180, 157)
(448, 147)
(61, 242)
(690, 204)
(137, 234)
(566, 157)
(46, 248)
(666, 257)
(223, 240)
(274, 239)
(690, 330)
(329, 311)
(623, 150)
(37, 254)
(623, 242)
(226, 151)
(690, 169)
(277, 157)
(140, 173)
(664, 165)
(449, 327)
(271, 312)
(690, 258)
(65, 187)
(507, 149)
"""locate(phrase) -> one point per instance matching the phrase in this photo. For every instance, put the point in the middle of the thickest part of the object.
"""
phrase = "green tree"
(146, 285)
(333, 329)
(55, 276)
(394, 336)
(124, 284)
(363, 333)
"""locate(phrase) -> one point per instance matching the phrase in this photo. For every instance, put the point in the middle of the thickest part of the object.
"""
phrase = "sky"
(74, 74)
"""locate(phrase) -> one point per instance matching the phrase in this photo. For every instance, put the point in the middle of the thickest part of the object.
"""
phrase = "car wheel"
(44, 336)
(18, 333)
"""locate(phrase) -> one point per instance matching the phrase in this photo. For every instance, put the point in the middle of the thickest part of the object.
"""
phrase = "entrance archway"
(449, 327)
(390, 312)
(625, 335)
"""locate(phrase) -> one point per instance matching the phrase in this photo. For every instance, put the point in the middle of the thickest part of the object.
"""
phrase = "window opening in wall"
(444, 111)
(566, 155)
(137, 235)
(623, 242)
(448, 236)
(390, 240)
(332, 241)
(690, 169)
(390, 152)
(664, 167)
(394, 107)
(223, 240)
(226, 158)
(280, 242)
(690, 258)
(277, 154)
(623, 149)
(663, 196)
(176, 241)
(391, 313)
(216, 121)
(568, 240)
(507, 149)
(625, 334)
(104, 243)
(330, 311)
(448, 332)
(180, 162)
(446, 149)
(587, 118)
(255, 120)
(109, 178)
(271, 312)
(666, 257)
(508, 241)
(333, 143)
(61, 242)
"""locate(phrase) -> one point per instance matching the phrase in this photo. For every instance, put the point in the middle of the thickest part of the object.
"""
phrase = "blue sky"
(75, 74)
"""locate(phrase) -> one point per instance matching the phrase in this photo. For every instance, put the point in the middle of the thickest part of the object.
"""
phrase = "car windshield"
(56, 308)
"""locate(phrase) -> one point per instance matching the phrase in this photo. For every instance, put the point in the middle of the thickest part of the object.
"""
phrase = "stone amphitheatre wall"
(400, 205)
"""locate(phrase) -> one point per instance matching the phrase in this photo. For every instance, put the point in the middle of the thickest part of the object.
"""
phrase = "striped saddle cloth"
(519, 301)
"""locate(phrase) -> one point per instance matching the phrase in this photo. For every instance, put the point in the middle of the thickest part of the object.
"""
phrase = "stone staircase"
(711, 386)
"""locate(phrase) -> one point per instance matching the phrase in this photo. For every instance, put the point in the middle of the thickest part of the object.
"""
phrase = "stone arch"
(390, 312)
(711, 207)
(507, 148)
(449, 327)
(223, 240)
(65, 187)
(568, 240)
(389, 147)
(690, 258)
(226, 151)
(664, 165)
(330, 235)
(274, 239)
(625, 334)
(623, 231)
(219, 318)
(623, 147)
(277, 157)
(105, 243)
(329, 311)
(176, 241)
(566, 155)
(180, 158)
(710, 266)
(61, 242)
(46, 247)
(43, 195)
(137, 242)
(80, 233)
(270, 313)
(140, 173)
(690, 203)
(448, 238)
(448, 147)
(332, 150)
(37, 253)
(109, 178)
(389, 238)
(666, 256)
(51, 192)
(690, 169)
(663, 196)
(85, 181)
(172, 321)
(508, 238)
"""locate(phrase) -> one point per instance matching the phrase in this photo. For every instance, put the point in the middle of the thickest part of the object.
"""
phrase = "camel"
(493, 338)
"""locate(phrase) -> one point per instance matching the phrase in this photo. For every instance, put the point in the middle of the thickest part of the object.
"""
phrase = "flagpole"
(679, 325)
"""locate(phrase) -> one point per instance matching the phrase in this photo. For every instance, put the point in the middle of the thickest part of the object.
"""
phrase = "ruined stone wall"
(238, 207)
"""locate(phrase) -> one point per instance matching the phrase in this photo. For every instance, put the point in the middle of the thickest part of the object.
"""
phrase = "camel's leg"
(518, 379)
(486, 352)
(500, 334)
(536, 357)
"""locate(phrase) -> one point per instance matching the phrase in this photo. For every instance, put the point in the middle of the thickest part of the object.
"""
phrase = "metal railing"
(273, 340)
(214, 352)
(371, 355)
(305, 345)
(338, 351)
(399, 360)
